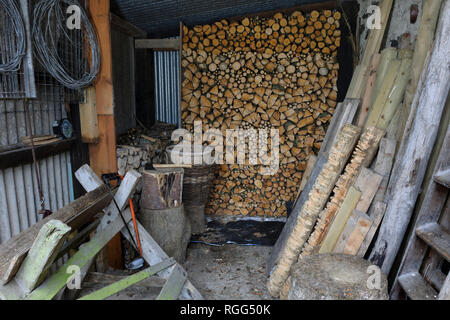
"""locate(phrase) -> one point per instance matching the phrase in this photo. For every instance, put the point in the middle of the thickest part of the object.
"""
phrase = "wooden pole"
(410, 169)
(103, 154)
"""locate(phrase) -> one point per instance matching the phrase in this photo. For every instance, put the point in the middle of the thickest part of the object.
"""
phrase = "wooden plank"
(74, 215)
(416, 288)
(367, 182)
(88, 117)
(386, 56)
(353, 236)
(410, 169)
(336, 228)
(383, 94)
(128, 281)
(395, 97)
(376, 217)
(344, 114)
(306, 174)
(42, 254)
(436, 237)
(312, 207)
(173, 285)
(367, 97)
(20, 156)
(158, 44)
(50, 287)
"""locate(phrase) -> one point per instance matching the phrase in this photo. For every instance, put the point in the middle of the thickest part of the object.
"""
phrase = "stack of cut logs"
(278, 72)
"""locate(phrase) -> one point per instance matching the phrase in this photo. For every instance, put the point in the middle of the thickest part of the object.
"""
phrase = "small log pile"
(262, 72)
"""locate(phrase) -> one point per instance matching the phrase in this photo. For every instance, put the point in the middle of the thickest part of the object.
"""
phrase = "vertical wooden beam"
(103, 154)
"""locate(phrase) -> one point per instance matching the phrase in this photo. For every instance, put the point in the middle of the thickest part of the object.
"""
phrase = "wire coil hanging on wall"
(70, 55)
(14, 48)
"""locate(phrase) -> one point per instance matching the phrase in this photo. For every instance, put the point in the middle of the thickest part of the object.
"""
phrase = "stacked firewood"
(278, 72)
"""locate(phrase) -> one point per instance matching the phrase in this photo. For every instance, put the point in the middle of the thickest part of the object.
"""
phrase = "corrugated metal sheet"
(19, 199)
(161, 18)
(167, 86)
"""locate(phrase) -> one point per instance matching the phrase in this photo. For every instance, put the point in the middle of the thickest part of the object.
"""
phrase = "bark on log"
(162, 189)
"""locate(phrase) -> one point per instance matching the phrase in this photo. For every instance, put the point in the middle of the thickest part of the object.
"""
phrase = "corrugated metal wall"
(19, 198)
(167, 86)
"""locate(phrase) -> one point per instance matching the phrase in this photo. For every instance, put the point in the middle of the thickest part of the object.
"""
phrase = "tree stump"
(162, 189)
(336, 277)
(196, 216)
(170, 228)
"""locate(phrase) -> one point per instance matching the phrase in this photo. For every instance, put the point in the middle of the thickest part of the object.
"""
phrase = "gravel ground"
(229, 272)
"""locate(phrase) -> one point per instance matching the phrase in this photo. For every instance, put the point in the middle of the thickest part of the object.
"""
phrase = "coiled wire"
(50, 30)
(12, 59)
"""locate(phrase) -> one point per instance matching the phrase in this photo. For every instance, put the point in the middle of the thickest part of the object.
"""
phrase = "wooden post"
(103, 154)
(409, 171)
(88, 117)
(42, 254)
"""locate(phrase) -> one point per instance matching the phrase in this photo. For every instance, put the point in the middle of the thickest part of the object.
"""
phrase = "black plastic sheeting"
(241, 232)
(161, 18)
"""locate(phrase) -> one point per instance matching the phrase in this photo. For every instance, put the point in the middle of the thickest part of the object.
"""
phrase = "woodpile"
(262, 72)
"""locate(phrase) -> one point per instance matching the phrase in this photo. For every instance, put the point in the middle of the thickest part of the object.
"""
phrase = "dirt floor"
(229, 272)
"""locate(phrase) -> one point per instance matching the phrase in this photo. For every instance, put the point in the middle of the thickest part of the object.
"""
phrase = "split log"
(318, 196)
(410, 170)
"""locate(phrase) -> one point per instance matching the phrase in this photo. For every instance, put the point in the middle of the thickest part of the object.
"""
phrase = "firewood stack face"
(277, 72)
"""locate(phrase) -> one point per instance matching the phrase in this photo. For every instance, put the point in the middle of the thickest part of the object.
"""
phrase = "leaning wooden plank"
(75, 214)
(358, 233)
(424, 41)
(386, 56)
(369, 140)
(383, 94)
(128, 281)
(367, 96)
(410, 169)
(395, 97)
(151, 251)
(376, 216)
(443, 177)
(318, 197)
(56, 282)
(344, 114)
(416, 287)
(309, 168)
(174, 284)
(340, 220)
(368, 182)
(88, 117)
(41, 255)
